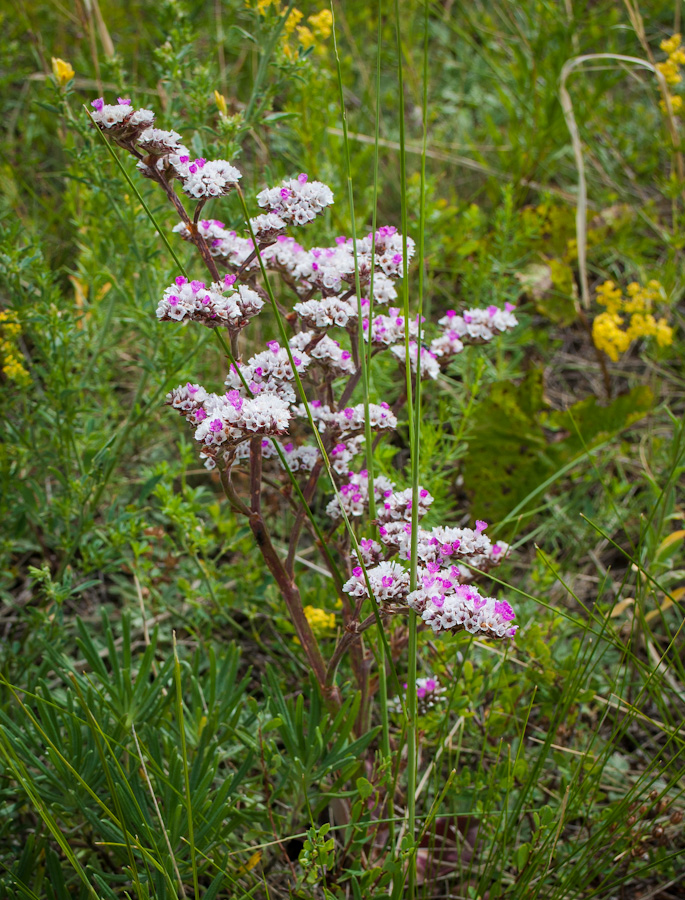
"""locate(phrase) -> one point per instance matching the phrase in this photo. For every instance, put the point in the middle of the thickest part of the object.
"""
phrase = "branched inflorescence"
(263, 419)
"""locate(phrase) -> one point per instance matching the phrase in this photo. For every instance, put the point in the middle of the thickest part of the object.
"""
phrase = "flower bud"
(220, 101)
(676, 817)
(62, 71)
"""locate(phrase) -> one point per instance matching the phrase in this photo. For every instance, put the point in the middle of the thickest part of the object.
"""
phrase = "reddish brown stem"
(285, 581)
(349, 388)
(195, 235)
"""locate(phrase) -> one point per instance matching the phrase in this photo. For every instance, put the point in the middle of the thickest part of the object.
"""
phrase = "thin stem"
(186, 769)
(256, 475)
(352, 383)
(229, 490)
(412, 727)
(346, 641)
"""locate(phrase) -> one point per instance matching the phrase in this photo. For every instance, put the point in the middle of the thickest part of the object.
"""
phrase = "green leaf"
(522, 855)
(364, 787)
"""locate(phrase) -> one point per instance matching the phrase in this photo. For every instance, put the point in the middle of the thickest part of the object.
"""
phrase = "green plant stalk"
(186, 771)
(364, 360)
(382, 673)
(412, 728)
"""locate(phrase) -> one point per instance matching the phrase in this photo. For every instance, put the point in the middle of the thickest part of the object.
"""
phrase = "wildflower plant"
(670, 69)
(635, 311)
(11, 360)
(287, 414)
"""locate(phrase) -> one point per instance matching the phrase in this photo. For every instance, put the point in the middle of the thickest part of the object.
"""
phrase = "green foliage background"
(159, 733)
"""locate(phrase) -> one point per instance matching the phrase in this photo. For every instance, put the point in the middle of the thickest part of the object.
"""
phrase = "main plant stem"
(285, 582)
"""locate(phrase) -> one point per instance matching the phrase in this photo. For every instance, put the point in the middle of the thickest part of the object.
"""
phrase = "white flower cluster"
(447, 605)
(218, 304)
(158, 142)
(267, 227)
(444, 546)
(371, 552)
(389, 583)
(396, 506)
(355, 494)
(389, 247)
(351, 419)
(391, 506)
(236, 418)
(301, 459)
(284, 256)
(449, 344)
(206, 178)
(342, 454)
(326, 352)
(429, 691)
(383, 288)
(188, 399)
(326, 312)
(200, 178)
(269, 372)
(297, 201)
(478, 326)
(430, 368)
(390, 329)
(121, 121)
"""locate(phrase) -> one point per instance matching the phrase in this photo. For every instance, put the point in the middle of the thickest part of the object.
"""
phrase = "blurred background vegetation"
(133, 766)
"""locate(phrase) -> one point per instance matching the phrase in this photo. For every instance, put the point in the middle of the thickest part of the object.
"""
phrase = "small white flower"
(297, 201)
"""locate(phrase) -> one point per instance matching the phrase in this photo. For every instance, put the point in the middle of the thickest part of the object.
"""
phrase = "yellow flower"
(610, 296)
(62, 71)
(305, 37)
(12, 365)
(220, 101)
(663, 333)
(322, 23)
(670, 45)
(676, 104)
(292, 21)
(607, 333)
(263, 5)
(669, 70)
(319, 620)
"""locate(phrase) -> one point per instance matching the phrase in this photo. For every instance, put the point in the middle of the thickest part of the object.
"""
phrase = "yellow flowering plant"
(296, 38)
(670, 69)
(629, 317)
(10, 356)
(320, 621)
